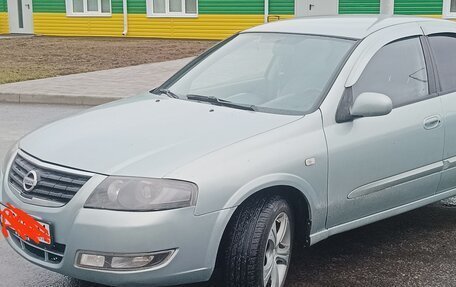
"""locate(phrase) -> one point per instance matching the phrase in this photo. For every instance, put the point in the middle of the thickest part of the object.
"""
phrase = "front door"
(20, 14)
(379, 163)
(316, 7)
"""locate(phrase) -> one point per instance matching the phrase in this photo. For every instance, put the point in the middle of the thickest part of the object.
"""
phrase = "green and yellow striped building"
(191, 19)
(3, 17)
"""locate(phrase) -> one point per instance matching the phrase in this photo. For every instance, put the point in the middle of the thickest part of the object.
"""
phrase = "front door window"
(398, 70)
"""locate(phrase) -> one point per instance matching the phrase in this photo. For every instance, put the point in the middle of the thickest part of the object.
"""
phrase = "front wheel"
(259, 243)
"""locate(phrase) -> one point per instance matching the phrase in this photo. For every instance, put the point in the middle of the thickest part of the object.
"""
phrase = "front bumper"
(196, 239)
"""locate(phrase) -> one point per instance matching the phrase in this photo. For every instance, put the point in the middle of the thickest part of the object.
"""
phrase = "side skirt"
(321, 235)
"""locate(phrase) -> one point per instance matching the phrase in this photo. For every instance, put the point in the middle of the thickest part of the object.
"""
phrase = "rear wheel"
(259, 244)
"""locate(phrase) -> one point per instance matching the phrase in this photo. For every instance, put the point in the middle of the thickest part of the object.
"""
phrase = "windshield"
(269, 71)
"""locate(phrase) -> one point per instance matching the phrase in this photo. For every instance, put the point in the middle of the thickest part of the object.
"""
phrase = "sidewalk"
(9, 36)
(92, 88)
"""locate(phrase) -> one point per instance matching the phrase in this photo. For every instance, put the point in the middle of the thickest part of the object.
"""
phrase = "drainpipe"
(266, 11)
(387, 7)
(125, 18)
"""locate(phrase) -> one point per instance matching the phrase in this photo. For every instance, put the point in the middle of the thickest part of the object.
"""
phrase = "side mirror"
(371, 105)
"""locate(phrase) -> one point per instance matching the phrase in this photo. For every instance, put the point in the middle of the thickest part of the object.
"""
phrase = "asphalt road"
(414, 249)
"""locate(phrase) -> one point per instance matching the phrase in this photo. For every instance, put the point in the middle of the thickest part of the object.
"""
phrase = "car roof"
(346, 26)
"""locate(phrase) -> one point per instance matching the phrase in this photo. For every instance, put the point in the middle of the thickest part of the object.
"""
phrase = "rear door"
(442, 40)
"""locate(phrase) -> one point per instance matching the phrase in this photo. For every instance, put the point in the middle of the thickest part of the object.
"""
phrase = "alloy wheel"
(277, 252)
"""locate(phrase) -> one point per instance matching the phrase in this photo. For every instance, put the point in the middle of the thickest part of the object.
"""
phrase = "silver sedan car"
(277, 138)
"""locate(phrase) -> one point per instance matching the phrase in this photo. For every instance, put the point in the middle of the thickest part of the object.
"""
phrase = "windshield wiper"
(166, 92)
(220, 102)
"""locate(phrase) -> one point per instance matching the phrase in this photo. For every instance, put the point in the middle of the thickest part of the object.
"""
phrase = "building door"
(20, 13)
(316, 7)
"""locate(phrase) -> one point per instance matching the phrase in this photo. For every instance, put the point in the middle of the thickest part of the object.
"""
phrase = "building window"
(88, 7)
(172, 8)
(449, 8)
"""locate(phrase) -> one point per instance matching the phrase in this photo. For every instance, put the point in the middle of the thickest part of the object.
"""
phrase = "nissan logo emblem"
(30, 181)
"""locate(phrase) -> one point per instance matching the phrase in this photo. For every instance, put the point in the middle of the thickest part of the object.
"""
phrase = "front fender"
(228, 176)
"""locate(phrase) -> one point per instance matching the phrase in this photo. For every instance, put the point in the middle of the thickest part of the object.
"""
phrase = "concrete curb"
(56, 99)
(92, 88)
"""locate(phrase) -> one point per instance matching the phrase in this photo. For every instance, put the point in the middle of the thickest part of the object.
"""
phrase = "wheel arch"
(279, 183)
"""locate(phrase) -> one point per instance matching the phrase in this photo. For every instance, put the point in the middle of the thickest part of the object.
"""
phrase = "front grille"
(51, 184)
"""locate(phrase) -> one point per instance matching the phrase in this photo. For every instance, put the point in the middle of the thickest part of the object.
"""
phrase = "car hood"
(145, 136)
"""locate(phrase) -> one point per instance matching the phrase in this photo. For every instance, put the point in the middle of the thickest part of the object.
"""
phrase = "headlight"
(142, 194)
(12, 151)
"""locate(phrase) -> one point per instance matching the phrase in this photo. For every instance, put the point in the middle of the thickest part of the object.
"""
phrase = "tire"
(250, 250)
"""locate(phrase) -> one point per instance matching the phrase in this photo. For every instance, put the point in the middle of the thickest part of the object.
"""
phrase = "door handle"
(310, 6)
(28, 6)
(432, 122)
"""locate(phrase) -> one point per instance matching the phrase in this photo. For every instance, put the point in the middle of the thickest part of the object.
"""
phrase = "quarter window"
(88, 7)
(444, 48)
(398, 70)
(172, 8)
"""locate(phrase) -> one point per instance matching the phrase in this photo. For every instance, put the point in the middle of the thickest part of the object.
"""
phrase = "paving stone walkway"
(92, 88)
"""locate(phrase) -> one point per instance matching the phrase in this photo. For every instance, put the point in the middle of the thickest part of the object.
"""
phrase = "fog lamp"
(91, 260)
(123, 262)
(130, 262)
